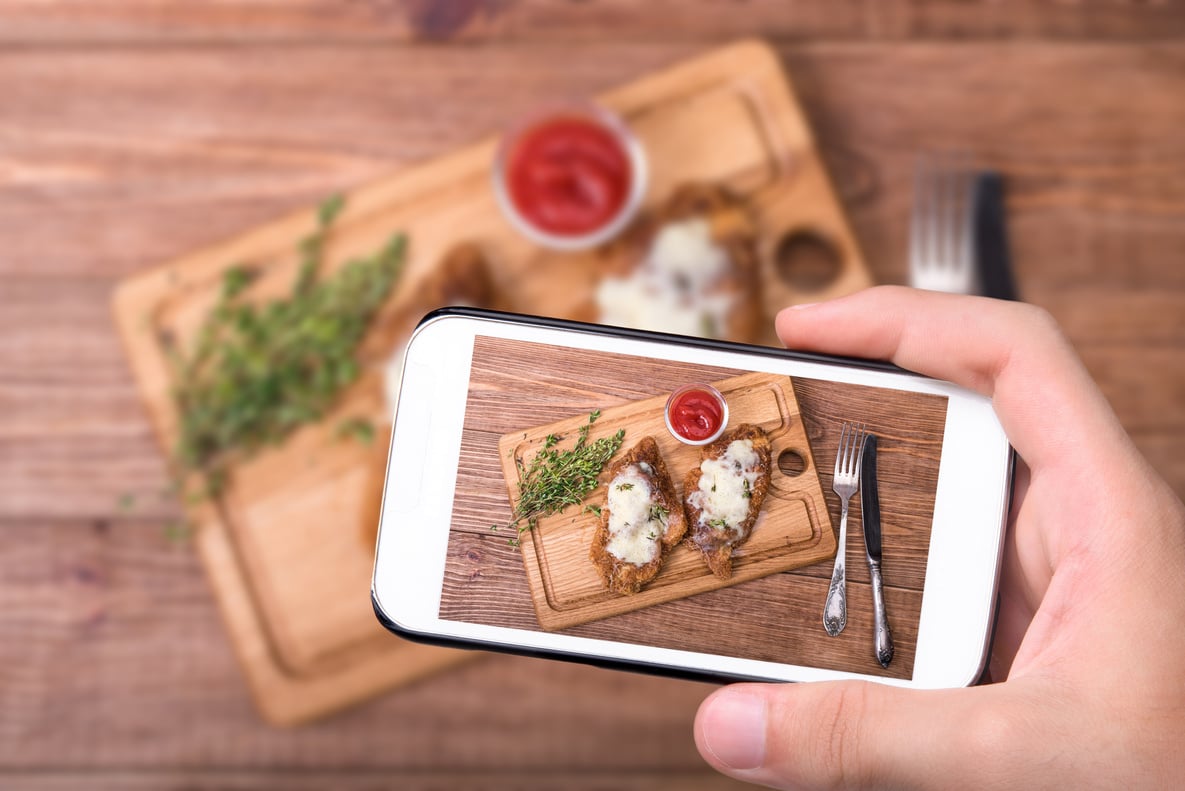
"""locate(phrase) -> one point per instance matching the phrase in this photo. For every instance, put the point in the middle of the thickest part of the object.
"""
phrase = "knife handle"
(991, 238)
(884, 636)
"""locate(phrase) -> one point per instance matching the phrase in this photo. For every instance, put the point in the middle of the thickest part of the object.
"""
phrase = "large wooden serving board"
(793, 529)
(289, 546)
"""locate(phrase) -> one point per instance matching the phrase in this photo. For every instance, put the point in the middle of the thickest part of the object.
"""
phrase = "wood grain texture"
(134, 132)
(110, 632)
(175, 21)
(250, 143)
(381, 780)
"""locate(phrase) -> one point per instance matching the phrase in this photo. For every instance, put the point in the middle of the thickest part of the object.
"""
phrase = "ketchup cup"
(696, 414)
(570, 178)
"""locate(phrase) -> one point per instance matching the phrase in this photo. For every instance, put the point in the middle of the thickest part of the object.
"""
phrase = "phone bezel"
(933, 667)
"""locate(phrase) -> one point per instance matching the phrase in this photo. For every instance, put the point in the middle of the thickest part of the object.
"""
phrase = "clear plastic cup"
(713, 394)
(639, 175)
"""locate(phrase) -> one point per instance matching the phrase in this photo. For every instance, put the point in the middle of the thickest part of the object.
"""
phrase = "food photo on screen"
(683, 506)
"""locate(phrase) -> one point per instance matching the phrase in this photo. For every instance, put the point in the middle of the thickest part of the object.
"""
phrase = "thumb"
(849, 734)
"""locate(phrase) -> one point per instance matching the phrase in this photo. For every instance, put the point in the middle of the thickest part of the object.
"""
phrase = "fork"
(844, 481)
(942, 227)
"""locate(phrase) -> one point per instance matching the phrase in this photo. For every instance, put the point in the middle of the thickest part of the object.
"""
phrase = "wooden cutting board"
(288, 547)
(792, 530)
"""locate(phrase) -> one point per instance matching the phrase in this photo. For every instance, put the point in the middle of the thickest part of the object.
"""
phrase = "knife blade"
(870, 510)
(991, 238)
(870, 504)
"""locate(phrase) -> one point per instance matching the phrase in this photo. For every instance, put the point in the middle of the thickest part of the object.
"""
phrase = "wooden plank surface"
(532, 20)
(131, 135)
(370, 780)
(111, 633)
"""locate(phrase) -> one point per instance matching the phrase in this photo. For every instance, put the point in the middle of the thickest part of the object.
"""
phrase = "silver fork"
(942, 227)
(844, 481)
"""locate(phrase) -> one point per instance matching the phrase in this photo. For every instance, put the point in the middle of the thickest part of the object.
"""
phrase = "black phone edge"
(605, 663)
(664, 337)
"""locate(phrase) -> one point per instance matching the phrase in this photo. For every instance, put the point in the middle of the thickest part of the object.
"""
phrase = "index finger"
(1011, 352)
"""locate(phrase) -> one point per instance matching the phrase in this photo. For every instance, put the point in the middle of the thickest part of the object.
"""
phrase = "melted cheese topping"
(672, 289)
(635, 523)
(725, 486)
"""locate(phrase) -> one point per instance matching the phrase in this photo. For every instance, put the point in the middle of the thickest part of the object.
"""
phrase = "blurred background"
(144, 643)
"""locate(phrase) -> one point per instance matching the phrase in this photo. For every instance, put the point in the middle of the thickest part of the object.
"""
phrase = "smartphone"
(499, 412)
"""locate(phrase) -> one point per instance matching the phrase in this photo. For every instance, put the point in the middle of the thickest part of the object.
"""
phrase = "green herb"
(658, 513)
(557, 478)
(358, 428)
(719, 523)
(624, 487)
(592, 509)
(327, 212)
(177, 531)
(652, 535)
(235, 280)
(707, 325)
(746, 494)
(258, 371)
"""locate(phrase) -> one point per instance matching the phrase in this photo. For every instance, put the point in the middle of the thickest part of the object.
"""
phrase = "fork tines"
(847, 458)
(941, 239)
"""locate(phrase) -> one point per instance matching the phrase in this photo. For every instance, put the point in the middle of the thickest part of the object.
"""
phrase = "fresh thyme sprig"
(357, 428)
(557, 478)
(258, 371)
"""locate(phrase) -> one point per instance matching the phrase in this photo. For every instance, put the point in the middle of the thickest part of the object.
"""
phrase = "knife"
(870, 509)
(991, 238)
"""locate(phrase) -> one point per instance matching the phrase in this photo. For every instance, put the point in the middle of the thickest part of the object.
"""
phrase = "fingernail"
(734, 729)
(804, 305)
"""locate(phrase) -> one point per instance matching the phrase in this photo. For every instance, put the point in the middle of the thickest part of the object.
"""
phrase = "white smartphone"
(498, 521)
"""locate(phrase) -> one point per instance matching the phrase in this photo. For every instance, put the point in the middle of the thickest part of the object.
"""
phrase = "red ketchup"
(568, 175)
(695, 414)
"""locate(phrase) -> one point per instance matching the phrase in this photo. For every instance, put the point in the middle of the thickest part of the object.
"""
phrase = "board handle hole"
(807, 260)
(791, 463)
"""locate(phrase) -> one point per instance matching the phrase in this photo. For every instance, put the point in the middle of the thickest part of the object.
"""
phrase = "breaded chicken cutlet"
(722, 497)
(641, 520)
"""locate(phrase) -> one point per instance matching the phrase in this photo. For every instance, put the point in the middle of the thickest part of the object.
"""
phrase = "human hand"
(1091, 629)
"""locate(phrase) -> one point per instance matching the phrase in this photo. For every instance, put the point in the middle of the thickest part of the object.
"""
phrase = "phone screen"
(524, 396)
(491, 406)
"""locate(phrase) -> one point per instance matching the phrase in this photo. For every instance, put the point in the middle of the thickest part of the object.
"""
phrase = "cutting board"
(792, 530)
(283, 548)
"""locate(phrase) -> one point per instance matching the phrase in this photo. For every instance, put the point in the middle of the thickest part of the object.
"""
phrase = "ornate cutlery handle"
(835, 611)
(884, 637)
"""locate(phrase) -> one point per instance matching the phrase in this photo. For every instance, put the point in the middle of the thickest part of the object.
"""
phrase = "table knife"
(870, 509)
(991, 238)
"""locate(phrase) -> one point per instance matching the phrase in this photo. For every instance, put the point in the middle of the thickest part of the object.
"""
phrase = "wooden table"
(132, 132)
